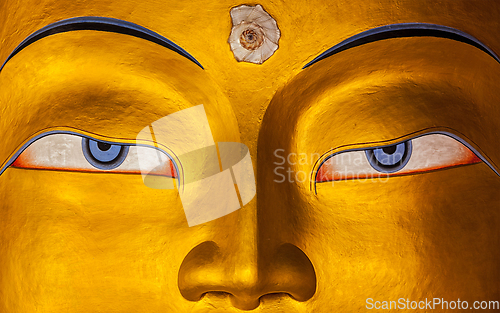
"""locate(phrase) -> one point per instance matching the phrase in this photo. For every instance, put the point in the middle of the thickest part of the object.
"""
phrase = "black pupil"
(103, 146)
(389, 150)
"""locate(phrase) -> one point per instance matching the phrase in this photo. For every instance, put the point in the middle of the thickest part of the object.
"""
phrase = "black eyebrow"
(404, 30)
(97, 23)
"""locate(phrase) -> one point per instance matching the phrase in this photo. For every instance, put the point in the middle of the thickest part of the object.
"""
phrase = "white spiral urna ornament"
(255, 34)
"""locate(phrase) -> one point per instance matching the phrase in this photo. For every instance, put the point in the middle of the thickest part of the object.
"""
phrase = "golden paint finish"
(416, 236)
(80, 242)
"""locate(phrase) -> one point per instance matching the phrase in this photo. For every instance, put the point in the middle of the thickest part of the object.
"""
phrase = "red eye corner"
(328, 173)
(22, 161)
(429, 152)
(167, 169)
(64, 152)
(26, 161)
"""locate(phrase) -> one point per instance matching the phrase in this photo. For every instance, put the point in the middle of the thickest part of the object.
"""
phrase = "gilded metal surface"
(81, 242)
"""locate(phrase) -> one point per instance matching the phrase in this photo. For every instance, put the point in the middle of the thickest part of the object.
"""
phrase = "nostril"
(198, 272)
(286, 273)
(291, 272)
(274, 297)
(245, 304)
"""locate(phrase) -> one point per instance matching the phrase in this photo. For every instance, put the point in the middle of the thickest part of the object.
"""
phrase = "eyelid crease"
(19, 164)
(12, 160)
(323, 177)
(372, 145)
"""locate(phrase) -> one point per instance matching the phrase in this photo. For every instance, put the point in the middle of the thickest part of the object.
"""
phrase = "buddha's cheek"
(422, 236)
(74, 242)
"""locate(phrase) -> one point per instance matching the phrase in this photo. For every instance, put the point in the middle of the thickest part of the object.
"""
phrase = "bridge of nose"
(246, 261)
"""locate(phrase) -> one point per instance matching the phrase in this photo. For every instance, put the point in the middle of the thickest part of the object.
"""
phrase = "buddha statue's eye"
(422, 154)
(71, 152)
(390, 159)
(104, 156)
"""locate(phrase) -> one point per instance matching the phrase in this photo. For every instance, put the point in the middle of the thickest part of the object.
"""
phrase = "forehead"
(202, 28)
(308, 28)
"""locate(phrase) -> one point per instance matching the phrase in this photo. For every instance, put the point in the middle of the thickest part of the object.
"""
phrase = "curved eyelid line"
(456, 137)
(61, 132)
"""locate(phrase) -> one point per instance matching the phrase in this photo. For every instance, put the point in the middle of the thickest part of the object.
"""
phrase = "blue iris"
(390, 159)
(102, 155)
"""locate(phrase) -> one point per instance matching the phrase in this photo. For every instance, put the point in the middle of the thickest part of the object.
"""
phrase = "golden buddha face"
(363, 175)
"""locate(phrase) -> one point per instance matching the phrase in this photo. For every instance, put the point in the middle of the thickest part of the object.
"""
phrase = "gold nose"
(246, 257)
(208, 269)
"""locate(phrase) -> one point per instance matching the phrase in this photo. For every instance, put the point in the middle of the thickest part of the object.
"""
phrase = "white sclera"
(64, 152)
(429, 152)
